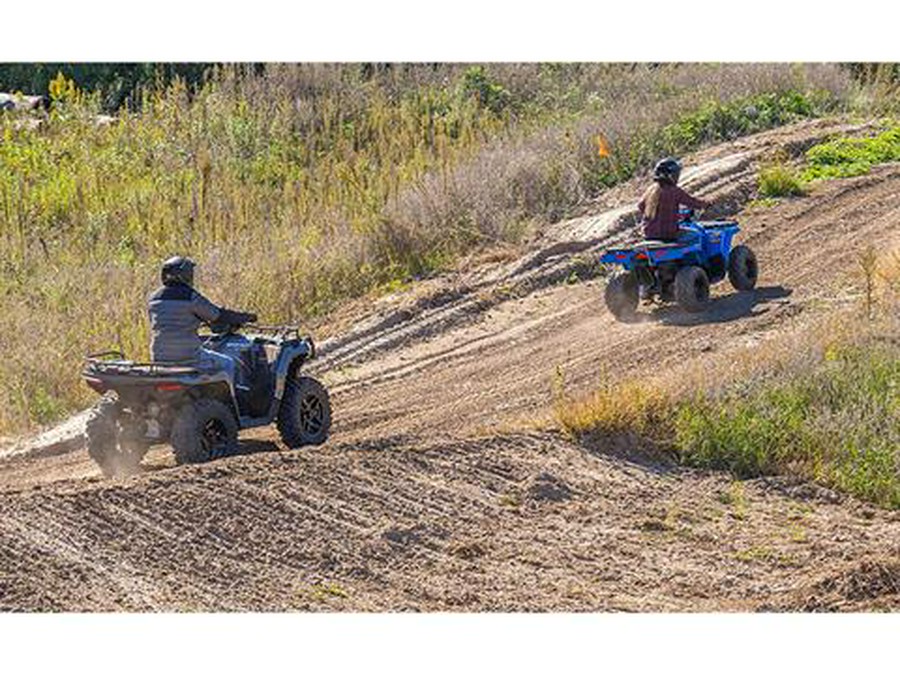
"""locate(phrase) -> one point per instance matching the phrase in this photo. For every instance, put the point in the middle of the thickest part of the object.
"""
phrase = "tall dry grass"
(303, 185)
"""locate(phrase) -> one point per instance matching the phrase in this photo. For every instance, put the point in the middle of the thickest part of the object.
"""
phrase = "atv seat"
(656, 244)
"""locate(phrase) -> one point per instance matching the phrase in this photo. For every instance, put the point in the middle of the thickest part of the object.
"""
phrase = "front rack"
(283, 332)
(278, 333)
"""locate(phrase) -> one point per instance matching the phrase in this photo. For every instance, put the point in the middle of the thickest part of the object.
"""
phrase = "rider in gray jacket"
(176, 312)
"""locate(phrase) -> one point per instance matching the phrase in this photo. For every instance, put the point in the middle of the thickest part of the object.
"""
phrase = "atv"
(682, 270)
(199, 411)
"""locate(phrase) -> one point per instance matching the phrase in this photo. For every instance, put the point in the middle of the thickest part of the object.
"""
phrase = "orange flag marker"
(602, 146)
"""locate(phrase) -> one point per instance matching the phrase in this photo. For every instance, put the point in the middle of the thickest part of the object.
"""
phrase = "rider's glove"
(233, 318)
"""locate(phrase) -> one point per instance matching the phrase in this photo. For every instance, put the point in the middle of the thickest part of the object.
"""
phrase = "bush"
(489, 94)
(840, 424)
(846, 157)
(836, 422)
(779, 180)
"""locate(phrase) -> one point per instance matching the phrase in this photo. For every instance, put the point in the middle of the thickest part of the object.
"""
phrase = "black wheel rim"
(214, 438)
(312, 415)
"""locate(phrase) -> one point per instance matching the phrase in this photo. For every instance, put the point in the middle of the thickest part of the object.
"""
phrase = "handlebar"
(279, 332)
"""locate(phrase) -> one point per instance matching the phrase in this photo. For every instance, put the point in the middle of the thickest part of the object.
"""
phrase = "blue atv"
(199, 411)
(679, 271)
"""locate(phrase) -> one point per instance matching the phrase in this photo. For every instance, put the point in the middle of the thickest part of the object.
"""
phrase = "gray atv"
(200, 411)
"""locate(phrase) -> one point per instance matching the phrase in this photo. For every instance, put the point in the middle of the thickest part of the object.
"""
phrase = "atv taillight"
(169, 386)
(96, 385)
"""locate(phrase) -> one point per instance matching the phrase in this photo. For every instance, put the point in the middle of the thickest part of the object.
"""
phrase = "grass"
(299, 187)
(761, 203)
(847, 157)
(630, 407)
(323, 591)
(835, 420)
(839, 425)
(839, 158)
(779, 180)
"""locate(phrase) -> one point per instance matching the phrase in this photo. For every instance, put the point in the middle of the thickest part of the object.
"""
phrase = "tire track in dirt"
(506, 523)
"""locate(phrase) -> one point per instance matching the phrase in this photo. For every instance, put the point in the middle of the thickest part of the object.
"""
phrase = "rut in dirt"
(520, 522)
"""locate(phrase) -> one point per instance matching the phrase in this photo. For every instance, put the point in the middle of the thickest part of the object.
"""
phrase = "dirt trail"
(427, 498)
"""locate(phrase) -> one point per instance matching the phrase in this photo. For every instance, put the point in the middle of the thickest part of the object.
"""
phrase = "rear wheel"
(692, 288)
(621, 295)
(116, 453)
(203, 430)
(304, 417)
(743, 269)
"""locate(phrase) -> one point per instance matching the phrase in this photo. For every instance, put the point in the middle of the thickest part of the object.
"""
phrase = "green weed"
(779, 180)
(846, 157)
(760, 204)
(836, 422)
(840, 425)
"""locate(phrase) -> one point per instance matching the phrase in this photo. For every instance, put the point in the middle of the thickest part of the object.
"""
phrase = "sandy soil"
(437, 492)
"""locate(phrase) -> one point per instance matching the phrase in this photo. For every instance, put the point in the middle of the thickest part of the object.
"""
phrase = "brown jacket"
(662, 223)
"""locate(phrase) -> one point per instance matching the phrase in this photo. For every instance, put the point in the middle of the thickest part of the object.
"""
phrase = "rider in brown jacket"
(658, 207)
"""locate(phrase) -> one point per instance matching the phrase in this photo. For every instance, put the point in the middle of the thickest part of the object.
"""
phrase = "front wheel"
(692, 288)
(743, 269)
(621, 295)
(203, 430)
(304, 417)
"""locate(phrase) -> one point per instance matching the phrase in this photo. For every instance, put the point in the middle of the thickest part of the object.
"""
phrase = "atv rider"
(658, 207)
(176, 312)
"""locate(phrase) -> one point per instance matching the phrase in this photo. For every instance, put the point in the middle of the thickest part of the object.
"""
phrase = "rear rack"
(101, 364)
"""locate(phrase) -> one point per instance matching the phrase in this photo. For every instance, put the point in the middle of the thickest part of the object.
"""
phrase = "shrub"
(632, 407)
(835, 421)
(846, 157)
(489, 94)
(840, 424)
(779, 180)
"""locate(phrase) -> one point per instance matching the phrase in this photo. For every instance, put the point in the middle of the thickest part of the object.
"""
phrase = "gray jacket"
(176, 313)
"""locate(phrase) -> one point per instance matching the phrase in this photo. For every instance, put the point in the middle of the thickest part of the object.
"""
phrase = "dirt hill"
(438, 491)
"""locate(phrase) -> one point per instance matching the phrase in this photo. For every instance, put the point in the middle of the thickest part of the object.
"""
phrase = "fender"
(293, 355)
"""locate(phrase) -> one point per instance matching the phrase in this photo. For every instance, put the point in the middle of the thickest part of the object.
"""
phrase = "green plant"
(847, 157)
(835, 420)
(779, 180)
(489, 93)
(839, 424)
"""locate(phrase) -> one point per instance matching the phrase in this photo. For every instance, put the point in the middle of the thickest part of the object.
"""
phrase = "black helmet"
(668, 170)
(178, 270)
